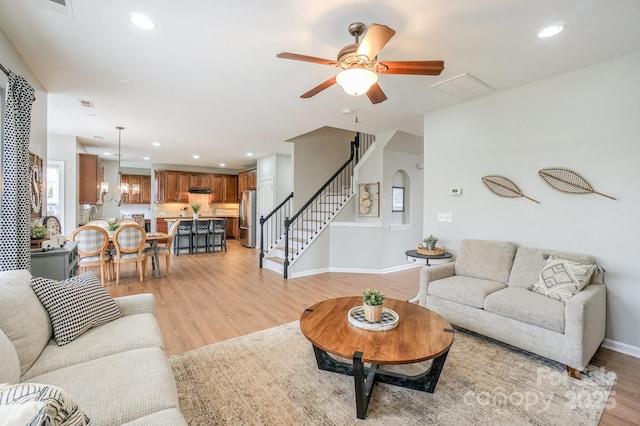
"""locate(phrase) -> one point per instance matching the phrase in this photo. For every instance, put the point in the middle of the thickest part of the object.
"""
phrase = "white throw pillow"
(75, 305)
(561, 279)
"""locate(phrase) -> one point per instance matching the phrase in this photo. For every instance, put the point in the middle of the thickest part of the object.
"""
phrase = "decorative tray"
(389, 319)
(438, 251)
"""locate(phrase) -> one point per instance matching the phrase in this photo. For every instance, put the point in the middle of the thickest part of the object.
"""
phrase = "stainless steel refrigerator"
(248, 218)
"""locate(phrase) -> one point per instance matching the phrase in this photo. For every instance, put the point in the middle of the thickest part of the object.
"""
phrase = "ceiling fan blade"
(319, 88)
(313, 59)
(413, 67)
(374, 40)
(376, 95)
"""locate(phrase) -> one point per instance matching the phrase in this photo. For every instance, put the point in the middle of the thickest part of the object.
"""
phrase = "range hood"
(199, 191)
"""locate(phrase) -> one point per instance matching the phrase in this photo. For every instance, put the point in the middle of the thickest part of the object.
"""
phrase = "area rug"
(271, 378)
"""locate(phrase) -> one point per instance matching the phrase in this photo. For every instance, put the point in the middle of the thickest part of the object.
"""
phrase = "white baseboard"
(624, 348)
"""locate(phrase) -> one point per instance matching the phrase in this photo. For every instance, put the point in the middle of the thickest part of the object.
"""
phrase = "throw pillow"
(75, 305)
(561, 279)
(37, 404)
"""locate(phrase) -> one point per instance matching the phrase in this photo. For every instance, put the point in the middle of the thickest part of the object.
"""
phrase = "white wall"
(587, 121)
(316, 157)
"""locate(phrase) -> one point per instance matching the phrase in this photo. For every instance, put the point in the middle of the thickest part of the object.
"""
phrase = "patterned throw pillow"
(37, 404)
(561, 279)
(75, 305)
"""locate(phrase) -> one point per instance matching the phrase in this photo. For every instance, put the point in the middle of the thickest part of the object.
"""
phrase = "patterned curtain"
(15, 207)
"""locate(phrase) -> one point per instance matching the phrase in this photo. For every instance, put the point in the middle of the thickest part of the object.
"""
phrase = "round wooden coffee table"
(420, 335)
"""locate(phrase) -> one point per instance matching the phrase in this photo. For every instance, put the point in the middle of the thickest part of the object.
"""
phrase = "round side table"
(414, 256)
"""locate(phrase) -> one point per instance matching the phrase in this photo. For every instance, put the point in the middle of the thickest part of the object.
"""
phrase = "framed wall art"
(35, 184)
(368, 199)
(397, 199)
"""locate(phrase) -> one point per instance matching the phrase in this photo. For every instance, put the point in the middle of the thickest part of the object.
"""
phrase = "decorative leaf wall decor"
(567, 181)
(503, 187)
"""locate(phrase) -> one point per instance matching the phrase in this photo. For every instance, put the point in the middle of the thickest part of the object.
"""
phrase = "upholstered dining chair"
(164, 250)
(129, 240)
(92, 248)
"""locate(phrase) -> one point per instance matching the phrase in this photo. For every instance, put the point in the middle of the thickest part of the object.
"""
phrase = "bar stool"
(218, 230)
(201, 229)
(184, 230)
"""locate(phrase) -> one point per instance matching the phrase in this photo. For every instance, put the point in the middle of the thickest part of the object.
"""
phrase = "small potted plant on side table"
(372, 300)
(430, 242)
(196, 208)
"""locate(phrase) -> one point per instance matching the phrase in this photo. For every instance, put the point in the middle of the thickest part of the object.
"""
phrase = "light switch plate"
(444, 217)
(455, 191)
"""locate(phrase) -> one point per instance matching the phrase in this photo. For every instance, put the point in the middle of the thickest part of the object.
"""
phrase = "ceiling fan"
(360, 66)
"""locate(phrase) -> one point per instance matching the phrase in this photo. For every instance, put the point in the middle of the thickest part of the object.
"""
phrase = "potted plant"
(195, 207)
(113, 226)
(430, 242)
(38, 233)
(372, 300)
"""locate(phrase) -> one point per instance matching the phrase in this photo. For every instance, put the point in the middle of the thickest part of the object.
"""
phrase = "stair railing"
(272, 226)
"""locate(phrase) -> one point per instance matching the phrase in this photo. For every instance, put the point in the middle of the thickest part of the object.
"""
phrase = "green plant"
(38, 232)
(373, 297)
(430, 240)
(113, 226)
(195, 207)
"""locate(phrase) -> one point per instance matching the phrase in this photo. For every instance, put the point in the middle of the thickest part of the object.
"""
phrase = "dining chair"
(92, 248)
(201, 229)
(164, 250)
(129, 240)
(218, 231)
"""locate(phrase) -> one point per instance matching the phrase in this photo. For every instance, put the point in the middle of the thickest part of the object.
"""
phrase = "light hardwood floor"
(217, 296)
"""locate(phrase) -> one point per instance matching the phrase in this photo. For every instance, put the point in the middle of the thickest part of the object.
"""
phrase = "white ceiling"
(207, 80)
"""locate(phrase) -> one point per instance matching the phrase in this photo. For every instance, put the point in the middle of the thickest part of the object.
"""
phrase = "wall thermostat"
(455, 191)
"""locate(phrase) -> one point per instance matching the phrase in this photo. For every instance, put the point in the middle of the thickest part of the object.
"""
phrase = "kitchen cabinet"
(172, 186)
(216, 189)
(144, 193)
(91, 174)
(161, 226)
(230, 188)
(247, 180)
(233, 230)
(184, 183)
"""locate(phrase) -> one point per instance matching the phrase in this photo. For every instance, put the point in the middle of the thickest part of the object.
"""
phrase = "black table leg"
(365, 378)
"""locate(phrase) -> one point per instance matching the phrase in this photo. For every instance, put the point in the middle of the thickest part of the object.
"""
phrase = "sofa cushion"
(168, 417)
(22, 317)
(490, 260)
(119, 388)
(465, 290)
(75, 305)
(529, 262)
(10, 365)
(561, 279)
(523, 305)
(133, 332)
(38, 404)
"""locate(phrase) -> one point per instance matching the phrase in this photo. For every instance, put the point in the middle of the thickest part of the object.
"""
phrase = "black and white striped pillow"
(75, 305)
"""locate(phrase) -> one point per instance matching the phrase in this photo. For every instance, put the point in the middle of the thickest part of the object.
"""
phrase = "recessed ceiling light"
(106, 153)
(98, 137)
(552, 30)
(196, 156)
(146, 158)
(155, 143)
(141, 21)
(222, 165)
(123, 81)
(249, 154)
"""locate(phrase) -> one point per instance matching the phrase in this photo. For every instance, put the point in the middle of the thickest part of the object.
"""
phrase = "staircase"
(285, 237)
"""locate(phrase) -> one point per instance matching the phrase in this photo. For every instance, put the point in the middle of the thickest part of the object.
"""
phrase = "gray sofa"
(486, 290)
(117, 372)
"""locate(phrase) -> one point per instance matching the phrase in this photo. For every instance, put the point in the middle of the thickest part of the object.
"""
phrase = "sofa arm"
(433, 273)
(136, 304)
(585, 323)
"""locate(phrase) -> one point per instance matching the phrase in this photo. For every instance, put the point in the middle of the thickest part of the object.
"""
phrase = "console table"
(58, 263)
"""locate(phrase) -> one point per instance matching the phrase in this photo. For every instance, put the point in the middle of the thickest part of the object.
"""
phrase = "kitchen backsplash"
(206, 209)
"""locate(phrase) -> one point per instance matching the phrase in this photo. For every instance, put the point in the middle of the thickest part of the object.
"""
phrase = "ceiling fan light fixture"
(357, 81)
